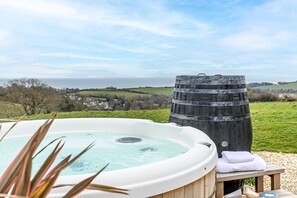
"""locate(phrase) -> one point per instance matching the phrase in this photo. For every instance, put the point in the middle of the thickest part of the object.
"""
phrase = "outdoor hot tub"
(147, 158)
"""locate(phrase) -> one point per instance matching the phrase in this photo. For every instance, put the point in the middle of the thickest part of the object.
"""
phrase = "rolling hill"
(289, 86)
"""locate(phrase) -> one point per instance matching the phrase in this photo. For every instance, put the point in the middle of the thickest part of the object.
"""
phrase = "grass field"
(292, 86)
(118, 93)
(143, 91)
(155, 90)
(8, 109)
(274, 123)
(155, 115)
(275, 126)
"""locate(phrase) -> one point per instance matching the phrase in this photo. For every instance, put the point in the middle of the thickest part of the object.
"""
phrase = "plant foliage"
(17, 181)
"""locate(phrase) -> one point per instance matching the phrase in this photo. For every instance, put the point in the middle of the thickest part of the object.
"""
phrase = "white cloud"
(172, 26)
(3, 34)
(111, 66)
(158, 20)
(139, 50)
(142, 25)
(7, 40)
(43, 7)
(166, 46)
(6, 60)
(103, 70)
(154, 18)
(283, 7)
(135, 38)
(289, 61)
(77, 56)
(34, 71)
(224, 3)
(268, 26)
(255, 40)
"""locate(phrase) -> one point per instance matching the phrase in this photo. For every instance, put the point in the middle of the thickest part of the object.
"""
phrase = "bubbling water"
(118, 149)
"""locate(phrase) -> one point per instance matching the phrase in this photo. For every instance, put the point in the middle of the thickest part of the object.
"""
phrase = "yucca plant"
(18, 182)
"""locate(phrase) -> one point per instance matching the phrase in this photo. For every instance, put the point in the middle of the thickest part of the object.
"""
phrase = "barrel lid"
(210, 80)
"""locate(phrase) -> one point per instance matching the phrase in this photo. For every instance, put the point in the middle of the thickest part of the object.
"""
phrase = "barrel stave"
(217, 105)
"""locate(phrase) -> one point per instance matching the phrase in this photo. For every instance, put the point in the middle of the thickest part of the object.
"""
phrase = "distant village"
(35, 97)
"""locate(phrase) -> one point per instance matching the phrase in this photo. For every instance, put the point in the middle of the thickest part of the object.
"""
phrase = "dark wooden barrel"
(217, 105)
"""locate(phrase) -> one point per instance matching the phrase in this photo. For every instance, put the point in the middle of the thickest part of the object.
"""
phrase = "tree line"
(36, 97)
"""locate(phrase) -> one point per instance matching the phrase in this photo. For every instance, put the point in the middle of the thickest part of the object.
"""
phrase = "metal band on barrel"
(210, 91)
(210, 118)
(211, 104)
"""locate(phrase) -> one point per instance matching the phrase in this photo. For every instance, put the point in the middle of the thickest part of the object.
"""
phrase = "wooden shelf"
(272, 170)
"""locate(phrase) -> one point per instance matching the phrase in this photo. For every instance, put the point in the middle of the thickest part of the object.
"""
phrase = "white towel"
(237, 156)
(257, 164)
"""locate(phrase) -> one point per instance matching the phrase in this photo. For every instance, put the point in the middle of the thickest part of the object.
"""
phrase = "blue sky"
(149, 38)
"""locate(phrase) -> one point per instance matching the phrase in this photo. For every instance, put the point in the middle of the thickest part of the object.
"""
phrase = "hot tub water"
(119, 150)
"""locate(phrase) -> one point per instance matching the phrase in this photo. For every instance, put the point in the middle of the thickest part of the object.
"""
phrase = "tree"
(33, 95)
(2, 92)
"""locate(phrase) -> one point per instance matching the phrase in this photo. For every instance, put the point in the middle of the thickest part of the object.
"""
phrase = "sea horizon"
(93, 83)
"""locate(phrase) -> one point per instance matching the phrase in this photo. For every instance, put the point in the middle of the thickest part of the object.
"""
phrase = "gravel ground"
(289, 162)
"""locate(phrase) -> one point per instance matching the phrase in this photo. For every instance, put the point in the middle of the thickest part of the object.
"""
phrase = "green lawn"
(274, 123)
(275, 126)
(161, 115)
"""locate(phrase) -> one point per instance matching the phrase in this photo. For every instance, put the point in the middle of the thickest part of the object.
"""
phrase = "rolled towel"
(257, 164)
(237, 156)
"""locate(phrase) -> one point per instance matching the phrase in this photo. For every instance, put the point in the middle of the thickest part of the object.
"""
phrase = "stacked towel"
(237, 156)
(227, 165)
